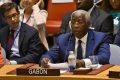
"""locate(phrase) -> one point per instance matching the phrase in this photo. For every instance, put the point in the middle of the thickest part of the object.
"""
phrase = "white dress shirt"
(83, 44)
(15, 46)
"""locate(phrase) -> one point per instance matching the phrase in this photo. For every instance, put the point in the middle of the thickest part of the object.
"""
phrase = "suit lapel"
(90, 43)
(22, 34)
(71, 44)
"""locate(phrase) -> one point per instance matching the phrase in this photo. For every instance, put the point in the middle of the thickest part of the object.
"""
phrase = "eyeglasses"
(15, 15)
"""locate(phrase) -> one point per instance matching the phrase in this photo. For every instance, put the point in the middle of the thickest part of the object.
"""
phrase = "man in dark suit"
(20, 41)
(93, 43)
(101, 21)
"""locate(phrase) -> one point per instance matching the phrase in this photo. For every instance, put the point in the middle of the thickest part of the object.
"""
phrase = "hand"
(44, 63)
(80, 63)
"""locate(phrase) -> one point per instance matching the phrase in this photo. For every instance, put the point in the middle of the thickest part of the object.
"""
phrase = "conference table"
(5, 69)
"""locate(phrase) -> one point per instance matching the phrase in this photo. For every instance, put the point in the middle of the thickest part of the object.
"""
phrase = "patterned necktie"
(10, 40)
(79, 50)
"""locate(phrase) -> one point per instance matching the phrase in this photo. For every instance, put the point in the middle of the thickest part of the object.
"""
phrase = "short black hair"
(8, 6)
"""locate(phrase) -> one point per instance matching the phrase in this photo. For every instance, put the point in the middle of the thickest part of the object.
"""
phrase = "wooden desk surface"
(101, 76)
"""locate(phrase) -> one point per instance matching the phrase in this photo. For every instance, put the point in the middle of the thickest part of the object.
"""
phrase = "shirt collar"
(83, 39)
(18, 27)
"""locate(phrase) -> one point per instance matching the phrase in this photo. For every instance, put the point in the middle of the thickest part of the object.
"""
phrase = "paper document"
(61, 1)
(59, 65)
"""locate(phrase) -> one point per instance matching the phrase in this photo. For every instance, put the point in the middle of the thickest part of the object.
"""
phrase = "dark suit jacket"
(100, 20)
(96, 44)
(29, 44)
(117, 38)
(2, 22)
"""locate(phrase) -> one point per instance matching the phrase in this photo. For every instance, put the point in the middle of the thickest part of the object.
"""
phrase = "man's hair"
(87, 15)
(8, 6)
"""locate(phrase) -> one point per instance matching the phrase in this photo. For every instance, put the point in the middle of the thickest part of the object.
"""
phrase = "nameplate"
(38, 72)
(82, 71)
(114, 74)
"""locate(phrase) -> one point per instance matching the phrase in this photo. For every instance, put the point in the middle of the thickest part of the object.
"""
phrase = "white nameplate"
(38, 71)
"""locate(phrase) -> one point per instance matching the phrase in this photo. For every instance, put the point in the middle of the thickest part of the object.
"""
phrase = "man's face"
(12, 18)
(84, 4)
(79, 25)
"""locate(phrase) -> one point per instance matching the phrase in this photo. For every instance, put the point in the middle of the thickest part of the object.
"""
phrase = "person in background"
(34, 15)
(113, 8)
(20, 41)
(116, 13)
(104, 5)
(101, 21)
(92, 43)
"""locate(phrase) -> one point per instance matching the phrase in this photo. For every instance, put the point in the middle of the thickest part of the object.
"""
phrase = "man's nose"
(13, 19)
(76, 23)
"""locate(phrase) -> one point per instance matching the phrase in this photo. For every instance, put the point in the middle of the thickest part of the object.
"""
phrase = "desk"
(101, 76)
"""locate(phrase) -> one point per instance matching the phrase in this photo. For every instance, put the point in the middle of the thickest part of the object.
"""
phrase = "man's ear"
(70, 24)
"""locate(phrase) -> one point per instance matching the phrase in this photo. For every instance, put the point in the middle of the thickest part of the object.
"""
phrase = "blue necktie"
(79, 50)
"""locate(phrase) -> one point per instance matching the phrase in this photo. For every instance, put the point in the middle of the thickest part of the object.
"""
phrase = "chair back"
(115, 54)
(57, 10)
(55, 13)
